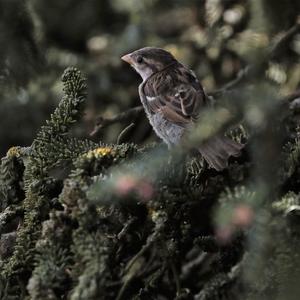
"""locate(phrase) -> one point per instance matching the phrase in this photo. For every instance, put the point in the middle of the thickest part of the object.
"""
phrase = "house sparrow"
(173, 97)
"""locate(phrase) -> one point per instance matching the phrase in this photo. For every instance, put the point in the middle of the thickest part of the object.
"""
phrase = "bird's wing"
(177, 94)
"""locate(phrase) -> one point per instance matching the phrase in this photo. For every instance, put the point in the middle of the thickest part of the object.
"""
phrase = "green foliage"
(293, 156)
(115, 227)
(87, 220)
(52, 261)
(276, 261)
(11, 170)
(38, 184)
(46, 148)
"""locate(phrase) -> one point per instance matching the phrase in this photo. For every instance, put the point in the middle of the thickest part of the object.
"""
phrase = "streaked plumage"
(173, 97)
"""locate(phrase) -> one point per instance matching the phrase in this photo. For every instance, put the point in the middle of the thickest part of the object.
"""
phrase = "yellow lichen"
(100, 152)
(13, 152)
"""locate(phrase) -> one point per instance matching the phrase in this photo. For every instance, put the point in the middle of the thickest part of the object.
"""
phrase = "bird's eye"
(139, 59)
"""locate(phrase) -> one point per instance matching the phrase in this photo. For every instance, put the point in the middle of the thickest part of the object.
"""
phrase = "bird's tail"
(217, 151)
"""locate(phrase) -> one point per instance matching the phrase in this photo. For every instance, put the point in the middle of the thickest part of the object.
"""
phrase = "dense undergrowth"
(81, 220)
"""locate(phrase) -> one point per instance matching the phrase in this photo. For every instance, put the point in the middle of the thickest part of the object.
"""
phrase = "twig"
(123, 132)
(221, 282)
(124, 116)
(242, 74)
(126, 228)
(281, 42)
(176, 278)
(123, 288)
(151, 239)
(190, 267)
(251, 69)
(138, 255)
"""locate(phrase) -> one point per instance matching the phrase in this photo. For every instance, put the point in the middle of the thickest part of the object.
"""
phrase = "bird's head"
(149, 60)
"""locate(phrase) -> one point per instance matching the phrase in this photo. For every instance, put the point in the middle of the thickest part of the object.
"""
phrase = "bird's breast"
(170, 133)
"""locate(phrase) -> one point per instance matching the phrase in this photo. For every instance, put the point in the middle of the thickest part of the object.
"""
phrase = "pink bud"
(243, 216)
(125, 185)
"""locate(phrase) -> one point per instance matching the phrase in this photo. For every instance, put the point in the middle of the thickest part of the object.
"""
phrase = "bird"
(173, 99)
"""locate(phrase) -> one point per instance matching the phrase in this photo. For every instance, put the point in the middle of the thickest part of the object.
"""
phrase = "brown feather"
(217, 151)
(178, 95)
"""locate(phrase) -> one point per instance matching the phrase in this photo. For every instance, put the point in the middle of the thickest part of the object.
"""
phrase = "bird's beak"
(127, 58)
